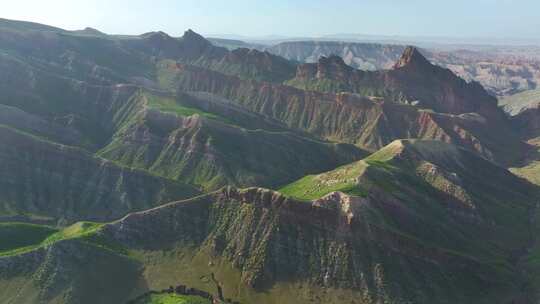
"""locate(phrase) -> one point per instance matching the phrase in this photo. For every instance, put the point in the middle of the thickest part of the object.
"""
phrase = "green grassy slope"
(20, 238)
(71, 265)
(169, 104)
(514, 104)
(312, 187)
(172, 299)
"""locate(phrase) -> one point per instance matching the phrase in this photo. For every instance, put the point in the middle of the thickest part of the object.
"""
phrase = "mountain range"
(135, 163)
(502, 70)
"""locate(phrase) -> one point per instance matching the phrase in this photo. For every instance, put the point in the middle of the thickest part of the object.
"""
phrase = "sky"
(292, 18)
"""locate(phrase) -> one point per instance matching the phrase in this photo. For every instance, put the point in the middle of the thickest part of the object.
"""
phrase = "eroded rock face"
(346, 205)
(413, 80)
(332, 67)
(447, 182)
(412, 58)
(502, 73)
(369, 123)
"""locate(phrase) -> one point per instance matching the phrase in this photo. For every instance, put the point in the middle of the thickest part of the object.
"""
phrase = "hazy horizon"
(493, 19)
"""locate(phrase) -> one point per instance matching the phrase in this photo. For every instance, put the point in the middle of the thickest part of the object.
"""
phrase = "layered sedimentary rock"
(369, 122)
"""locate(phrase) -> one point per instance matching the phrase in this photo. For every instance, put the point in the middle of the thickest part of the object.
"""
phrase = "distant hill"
(502, 71)
(232, 44)
(363, 56)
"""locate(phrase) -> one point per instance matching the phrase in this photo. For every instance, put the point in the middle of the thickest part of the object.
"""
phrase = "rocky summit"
(158, 169)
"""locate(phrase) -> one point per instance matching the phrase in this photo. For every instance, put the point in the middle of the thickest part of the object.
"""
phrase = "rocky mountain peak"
(332, 60)
(156, 37)
(331, 67)
(91, 30)
(327, 67)
(191, 37)
(152, 34)
(411, 57)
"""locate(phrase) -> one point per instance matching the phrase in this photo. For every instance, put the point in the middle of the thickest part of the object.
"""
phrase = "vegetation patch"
(171, 298)
(170, 105)
(517, 102)
(343, 179)
(531, 171)
(18, 238)
(77, 230)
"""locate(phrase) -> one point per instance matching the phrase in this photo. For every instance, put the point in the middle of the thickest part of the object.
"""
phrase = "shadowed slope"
(65, 183)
